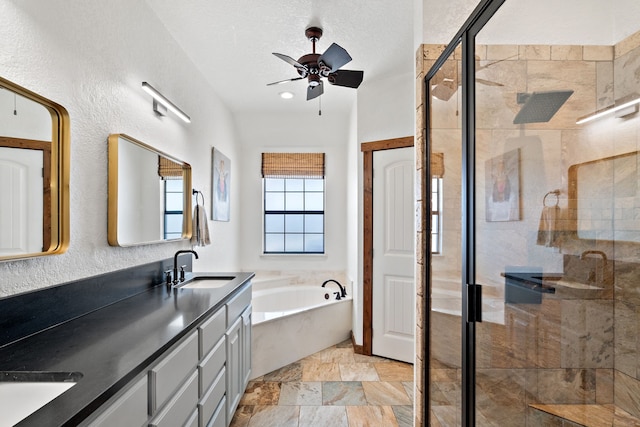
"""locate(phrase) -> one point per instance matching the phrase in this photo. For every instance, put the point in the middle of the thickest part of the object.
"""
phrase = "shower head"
(540, 106)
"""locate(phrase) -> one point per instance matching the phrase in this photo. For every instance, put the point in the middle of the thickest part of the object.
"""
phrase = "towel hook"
(198, 193)
(551, 193)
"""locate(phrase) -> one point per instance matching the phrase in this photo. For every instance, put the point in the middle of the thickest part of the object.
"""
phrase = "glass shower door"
(556, 218)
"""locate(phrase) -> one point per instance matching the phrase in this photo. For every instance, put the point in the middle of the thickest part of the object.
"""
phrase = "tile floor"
(332, 388)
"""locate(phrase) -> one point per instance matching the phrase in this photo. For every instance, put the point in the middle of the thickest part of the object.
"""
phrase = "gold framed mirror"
(603, 198)
(34, 174)
(149, 194)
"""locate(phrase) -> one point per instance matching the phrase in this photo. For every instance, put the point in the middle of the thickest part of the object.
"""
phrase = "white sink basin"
(208, 282)
(19, 399)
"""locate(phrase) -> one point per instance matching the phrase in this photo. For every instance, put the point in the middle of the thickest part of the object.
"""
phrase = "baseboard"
(358, 349)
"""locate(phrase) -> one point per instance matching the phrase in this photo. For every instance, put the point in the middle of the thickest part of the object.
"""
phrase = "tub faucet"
(593, 273)
(175, 264)
(343, 291)
(592, 252)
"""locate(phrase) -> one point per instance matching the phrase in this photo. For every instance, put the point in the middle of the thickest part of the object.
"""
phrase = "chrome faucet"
(343, 291)
(175, 264)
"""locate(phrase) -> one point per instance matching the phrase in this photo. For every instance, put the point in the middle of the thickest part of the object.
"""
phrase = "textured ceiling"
(231, 42)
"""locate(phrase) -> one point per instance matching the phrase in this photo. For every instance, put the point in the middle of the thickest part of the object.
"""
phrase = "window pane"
(173, 201)
(173, 223)
(314, 201)
(173, 185)
(273, 184)
(274, 242)
(274, 201)
(294, 202)
(314, 243)
(294, 224)
(314, 184)
(314, 223)
(173, 235)
(274, 223)
(292, 232)
(434, 223)
(434, 201)
(295, 184)
(294, 242)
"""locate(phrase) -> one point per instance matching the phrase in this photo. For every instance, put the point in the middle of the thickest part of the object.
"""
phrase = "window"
(173, 208)
(293, 203)
(437, 173)
(436, 215)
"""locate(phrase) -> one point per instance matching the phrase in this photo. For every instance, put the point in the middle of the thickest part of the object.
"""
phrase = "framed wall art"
(502, 187)
(221, 185)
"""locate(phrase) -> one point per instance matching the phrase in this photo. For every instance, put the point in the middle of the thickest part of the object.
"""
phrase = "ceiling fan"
(314, 67)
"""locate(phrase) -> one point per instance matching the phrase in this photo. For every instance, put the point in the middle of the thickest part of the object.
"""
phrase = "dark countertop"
(111, 345)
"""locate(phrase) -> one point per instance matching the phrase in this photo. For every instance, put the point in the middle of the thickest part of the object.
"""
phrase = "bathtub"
(291, 322)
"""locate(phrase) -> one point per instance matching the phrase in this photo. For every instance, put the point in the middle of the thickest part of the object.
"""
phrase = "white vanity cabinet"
(238, 348)
(199, 381)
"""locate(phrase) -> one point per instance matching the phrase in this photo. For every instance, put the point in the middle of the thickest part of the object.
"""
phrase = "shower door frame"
(472, 292)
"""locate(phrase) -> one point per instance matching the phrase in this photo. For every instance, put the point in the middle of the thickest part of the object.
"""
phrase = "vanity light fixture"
(286, 95)
(622, 107)
(162, 100)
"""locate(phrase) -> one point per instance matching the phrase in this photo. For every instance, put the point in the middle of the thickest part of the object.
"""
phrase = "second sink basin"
(23, 393)
(207, 282)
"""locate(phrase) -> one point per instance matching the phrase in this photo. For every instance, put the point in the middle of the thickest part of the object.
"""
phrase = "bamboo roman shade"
(168, 169)
(292, 165)
(437, 165)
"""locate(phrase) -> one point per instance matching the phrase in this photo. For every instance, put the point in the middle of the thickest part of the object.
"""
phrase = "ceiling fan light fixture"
(286, 95)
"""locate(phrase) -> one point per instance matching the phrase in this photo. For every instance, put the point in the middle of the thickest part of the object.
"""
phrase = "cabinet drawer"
(171, 371)
(211, 365)
(219, 419)
(211, 331)
(128, 410)
(211, 400)
(237, 304)
(180, 407)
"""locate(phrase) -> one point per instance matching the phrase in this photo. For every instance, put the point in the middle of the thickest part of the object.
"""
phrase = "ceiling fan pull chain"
(320, 105)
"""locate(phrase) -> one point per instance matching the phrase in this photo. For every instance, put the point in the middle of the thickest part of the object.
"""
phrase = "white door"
(393, 254)
(22, 199)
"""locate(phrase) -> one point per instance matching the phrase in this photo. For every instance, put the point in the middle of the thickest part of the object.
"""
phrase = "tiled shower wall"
(547, 370)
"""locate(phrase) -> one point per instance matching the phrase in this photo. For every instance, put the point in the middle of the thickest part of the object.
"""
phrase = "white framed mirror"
(149, 194)
(34, 174)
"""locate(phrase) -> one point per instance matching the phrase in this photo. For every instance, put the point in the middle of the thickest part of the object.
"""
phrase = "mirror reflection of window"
(147, 202)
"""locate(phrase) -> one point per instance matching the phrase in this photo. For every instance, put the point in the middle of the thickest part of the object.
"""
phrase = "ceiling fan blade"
(284, 81)
(347, 78)
(290, 60)
(314, 91)
(488, 82)
(334, 57)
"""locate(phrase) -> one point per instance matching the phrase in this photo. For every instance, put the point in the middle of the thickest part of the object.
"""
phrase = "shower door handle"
(474, 303)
